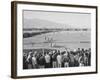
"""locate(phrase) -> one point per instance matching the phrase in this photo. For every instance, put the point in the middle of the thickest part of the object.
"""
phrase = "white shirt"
(33, 60)
(59, 59)
(47, 58)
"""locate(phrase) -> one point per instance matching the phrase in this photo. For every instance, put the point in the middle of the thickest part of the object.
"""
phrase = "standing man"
(29, 60)
(59, 59)
(41, 61)
(47, 60)
(71, 56)
(54, 59)
(66, 60)
(81, 60)
(25, 65)
(34, 62)
(76, 59)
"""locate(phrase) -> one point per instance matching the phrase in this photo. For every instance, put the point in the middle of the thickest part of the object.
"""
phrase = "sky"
(68, 18)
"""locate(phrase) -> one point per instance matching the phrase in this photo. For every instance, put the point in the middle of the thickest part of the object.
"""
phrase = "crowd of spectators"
(56, 59)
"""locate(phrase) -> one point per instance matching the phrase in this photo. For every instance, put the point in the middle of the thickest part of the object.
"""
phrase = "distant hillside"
(40, 23)
(33, 27)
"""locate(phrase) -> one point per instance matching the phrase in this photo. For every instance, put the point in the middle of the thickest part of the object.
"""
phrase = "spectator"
(71, 56)
(66, 60)
(29, 60)
(34, 62)
(54, 59)
(47, 60)
(76, 59)
(81, 60)
(41, 61)
(25, 64)
(59, 59)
